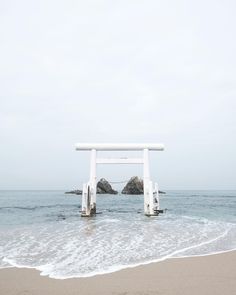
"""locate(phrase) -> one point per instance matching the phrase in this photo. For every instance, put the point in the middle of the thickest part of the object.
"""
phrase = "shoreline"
(208, 274)
(118, 269)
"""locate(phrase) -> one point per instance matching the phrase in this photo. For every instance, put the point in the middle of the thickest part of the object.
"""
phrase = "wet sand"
(215, 274)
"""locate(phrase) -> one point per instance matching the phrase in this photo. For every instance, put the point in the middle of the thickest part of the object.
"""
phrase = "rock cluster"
(134, 186)
(104, 187)
(75, 192)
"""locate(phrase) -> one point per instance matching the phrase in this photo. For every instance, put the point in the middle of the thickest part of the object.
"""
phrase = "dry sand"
(215, 274)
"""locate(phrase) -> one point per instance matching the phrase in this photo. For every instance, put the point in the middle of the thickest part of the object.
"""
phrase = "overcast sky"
(117, 71)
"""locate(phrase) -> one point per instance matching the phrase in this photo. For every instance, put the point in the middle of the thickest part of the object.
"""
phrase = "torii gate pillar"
(151, 195)
(93, 180)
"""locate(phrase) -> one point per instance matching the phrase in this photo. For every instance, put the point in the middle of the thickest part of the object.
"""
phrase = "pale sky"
(117, 71)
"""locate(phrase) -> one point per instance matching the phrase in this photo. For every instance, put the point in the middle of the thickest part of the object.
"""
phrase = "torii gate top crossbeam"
(119, 146)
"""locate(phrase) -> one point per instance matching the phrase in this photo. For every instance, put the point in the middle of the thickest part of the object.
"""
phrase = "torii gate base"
(151, 195)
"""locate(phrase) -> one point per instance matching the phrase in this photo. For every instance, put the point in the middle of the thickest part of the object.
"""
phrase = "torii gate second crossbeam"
(151, 195)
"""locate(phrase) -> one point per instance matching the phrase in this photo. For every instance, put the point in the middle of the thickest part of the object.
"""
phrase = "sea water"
(44, 230)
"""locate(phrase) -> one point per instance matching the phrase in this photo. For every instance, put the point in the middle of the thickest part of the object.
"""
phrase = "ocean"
(44, 230)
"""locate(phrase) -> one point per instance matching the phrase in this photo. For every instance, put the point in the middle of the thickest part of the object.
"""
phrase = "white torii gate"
(151, 195)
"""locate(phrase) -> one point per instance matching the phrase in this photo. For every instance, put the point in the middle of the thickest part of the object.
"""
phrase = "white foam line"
(121, 267)
(201, 244)
(115, 269)
(206, 254)
(170, 256)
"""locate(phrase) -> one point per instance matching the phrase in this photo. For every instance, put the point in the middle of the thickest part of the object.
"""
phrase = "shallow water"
(44, 230)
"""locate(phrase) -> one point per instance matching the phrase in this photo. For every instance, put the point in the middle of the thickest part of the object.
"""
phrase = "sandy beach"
(214, 274)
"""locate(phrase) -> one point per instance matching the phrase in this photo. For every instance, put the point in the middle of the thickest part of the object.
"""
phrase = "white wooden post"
(151, 196)
(86, 200)
(156, 198)
(146, 180)
(93, 180)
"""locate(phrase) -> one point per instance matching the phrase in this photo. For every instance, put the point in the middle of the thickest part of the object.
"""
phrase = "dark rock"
(104, 187)
(134, 186)
(75, 192)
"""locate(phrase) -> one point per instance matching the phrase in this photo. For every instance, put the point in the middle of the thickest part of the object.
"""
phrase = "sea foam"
(81, 247)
